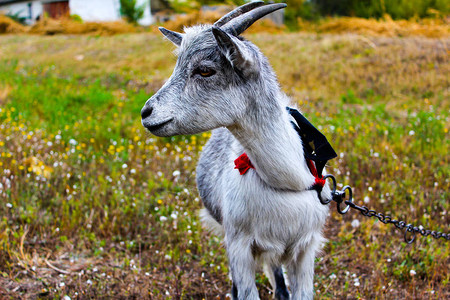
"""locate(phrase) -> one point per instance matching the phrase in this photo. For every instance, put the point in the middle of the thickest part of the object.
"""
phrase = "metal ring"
(350, 199)
(413, 235)
(333, 190)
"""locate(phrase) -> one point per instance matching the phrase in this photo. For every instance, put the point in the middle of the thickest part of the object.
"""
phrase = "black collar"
(315, 145)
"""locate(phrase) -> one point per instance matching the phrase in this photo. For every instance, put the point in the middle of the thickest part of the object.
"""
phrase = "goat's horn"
(238, 25)
(172, 36)
(237, 12)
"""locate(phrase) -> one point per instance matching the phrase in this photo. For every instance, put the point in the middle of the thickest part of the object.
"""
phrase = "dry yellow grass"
(8, 25)
(5, 90)
(191, 19)
(210, 17)
(433, 28)
(66, 26)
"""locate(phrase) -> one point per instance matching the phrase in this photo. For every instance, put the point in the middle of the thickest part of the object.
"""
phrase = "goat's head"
(215, 77)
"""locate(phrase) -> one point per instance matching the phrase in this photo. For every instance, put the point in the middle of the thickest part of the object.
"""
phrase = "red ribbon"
(243, 163)
(319, 181)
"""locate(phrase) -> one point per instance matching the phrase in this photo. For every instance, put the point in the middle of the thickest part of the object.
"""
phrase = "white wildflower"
(355, 223)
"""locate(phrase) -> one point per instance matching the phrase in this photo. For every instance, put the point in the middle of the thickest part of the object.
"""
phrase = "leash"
(317, 152)
(339, 196)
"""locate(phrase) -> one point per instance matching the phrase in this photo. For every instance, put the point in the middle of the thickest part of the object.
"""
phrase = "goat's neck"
(274, 147)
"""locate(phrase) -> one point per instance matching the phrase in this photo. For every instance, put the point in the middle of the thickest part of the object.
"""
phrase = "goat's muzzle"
(146, 111)
(152, 125)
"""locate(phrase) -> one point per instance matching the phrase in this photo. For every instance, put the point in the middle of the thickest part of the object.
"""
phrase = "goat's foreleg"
(281, 291)
(301, 274)
(242, 267)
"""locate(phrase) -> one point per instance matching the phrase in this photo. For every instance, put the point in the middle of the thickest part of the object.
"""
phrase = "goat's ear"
(237, 54)
(172, 36)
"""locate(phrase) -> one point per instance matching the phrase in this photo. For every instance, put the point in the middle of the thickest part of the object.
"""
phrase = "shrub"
(131, 11)
(76, 18)
(398, 9)
(16, 17)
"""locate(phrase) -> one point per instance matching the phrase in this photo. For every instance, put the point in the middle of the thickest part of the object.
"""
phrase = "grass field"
(92, 206)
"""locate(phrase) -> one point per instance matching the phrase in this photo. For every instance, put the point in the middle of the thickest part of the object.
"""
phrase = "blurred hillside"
(428, 18)
(298, 10)
(428, 27)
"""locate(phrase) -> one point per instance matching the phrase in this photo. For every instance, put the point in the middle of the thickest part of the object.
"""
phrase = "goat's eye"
(205, 72)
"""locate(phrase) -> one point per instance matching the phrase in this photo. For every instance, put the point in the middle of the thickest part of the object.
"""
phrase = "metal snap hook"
(333, 189)
(342, 196)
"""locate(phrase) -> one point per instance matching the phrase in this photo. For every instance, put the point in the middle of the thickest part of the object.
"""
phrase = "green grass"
(93, 206)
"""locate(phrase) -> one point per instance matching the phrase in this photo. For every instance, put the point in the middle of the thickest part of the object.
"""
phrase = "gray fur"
(267, 215)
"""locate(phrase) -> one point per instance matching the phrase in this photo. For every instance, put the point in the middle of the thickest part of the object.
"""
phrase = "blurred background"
(80, 16)
(93, 206)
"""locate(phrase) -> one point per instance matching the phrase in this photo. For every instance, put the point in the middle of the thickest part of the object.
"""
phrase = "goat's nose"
(146, 111)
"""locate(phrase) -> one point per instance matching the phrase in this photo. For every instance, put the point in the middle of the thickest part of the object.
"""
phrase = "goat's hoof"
(281, 294)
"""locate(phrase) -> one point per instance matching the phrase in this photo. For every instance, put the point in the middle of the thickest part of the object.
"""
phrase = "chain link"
(339, 197)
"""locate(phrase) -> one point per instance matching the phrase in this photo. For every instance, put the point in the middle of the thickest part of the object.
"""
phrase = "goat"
(268, 215)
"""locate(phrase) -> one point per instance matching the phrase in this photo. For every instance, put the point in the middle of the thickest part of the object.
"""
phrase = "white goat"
(269, 214)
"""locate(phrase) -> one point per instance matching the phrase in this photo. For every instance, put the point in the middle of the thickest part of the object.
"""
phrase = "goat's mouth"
(156, 127)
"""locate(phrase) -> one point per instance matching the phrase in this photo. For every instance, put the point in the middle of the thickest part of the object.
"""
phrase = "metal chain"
(410, 231)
